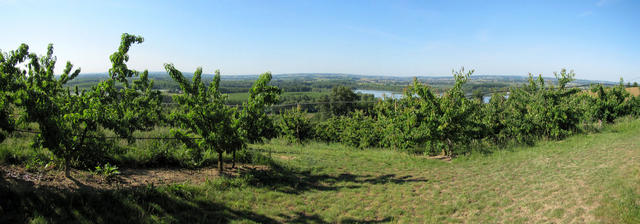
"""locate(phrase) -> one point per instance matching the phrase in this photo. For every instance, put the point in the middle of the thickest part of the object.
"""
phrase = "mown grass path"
(578, 180)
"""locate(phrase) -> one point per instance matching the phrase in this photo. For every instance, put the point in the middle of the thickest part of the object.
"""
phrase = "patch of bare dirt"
(283, 157)
(440, 157)
(634, 91)
(128, 177)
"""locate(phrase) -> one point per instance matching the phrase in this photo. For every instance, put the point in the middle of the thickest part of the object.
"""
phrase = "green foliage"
(494, 115)
(609, 103)
(356, 129)
(70, 123)
(425, 119)
(395, 130)
(329, 130)
(35, 164)
(534, 110)
(225, 183)
(421, 119)
(209, 123)
(362, 131)
(448, 123)
(107, 171)
(477, 95)
(634, 106)
(9, 75)
(295, 125)
(340, 101)
(254, 121)
(6, 122)
(52, 108)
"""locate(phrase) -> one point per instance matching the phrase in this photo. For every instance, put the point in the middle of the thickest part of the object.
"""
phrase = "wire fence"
(114, 137)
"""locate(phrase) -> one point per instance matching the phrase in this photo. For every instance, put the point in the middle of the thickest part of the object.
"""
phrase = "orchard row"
(72, 123)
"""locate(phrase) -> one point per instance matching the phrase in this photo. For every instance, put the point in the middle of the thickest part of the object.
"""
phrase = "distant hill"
(313, 76)
(318, 82)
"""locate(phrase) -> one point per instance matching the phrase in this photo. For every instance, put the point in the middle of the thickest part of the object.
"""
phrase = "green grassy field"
(591, 178)
(237, 98)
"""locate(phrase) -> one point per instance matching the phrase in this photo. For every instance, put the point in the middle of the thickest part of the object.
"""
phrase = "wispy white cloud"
(602, 3)
(585, 13)
(599, 4)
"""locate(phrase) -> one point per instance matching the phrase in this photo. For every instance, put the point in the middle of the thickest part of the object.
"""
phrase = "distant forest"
(324, 82)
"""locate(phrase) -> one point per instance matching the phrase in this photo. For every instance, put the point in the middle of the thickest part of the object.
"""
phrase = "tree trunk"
(449, 147)
(233, 165)
(220, 163)
(67, 158)
(298, 135)
(67, 172)
(600, 123)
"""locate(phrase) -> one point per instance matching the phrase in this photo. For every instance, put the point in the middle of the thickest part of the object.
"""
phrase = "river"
(396, 95)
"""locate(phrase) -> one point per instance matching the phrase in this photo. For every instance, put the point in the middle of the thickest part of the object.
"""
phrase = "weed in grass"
(107, 171)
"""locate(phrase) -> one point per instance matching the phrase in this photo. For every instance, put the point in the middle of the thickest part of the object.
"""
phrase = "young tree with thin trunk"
(205, 122)
(70, 122)
(254, 121)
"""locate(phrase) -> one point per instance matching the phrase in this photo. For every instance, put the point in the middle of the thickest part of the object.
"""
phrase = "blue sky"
(599, 39)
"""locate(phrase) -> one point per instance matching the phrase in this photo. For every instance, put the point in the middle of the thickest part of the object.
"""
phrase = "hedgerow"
(447, 123)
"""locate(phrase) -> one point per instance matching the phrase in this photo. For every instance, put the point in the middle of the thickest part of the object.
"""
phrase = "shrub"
(360, 130)
(70, 123)
(610, 103)
(329, 130)
(295, 125)
(423, 119)
(494, 118)
(209, 123)
(535, 111)
(254, 121)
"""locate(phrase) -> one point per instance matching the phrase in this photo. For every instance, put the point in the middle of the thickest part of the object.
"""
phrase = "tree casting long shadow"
(22, 201)
(300, 217)
(290, 180)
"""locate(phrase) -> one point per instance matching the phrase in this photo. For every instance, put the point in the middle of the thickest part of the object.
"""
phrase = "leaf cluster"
(295, 125)
(71, 122)
(205, 122)
(254, 121)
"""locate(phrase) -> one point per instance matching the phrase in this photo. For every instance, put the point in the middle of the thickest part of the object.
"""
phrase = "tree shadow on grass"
(292, 181)
(21, 201)
(300, 217)
(392, 178)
